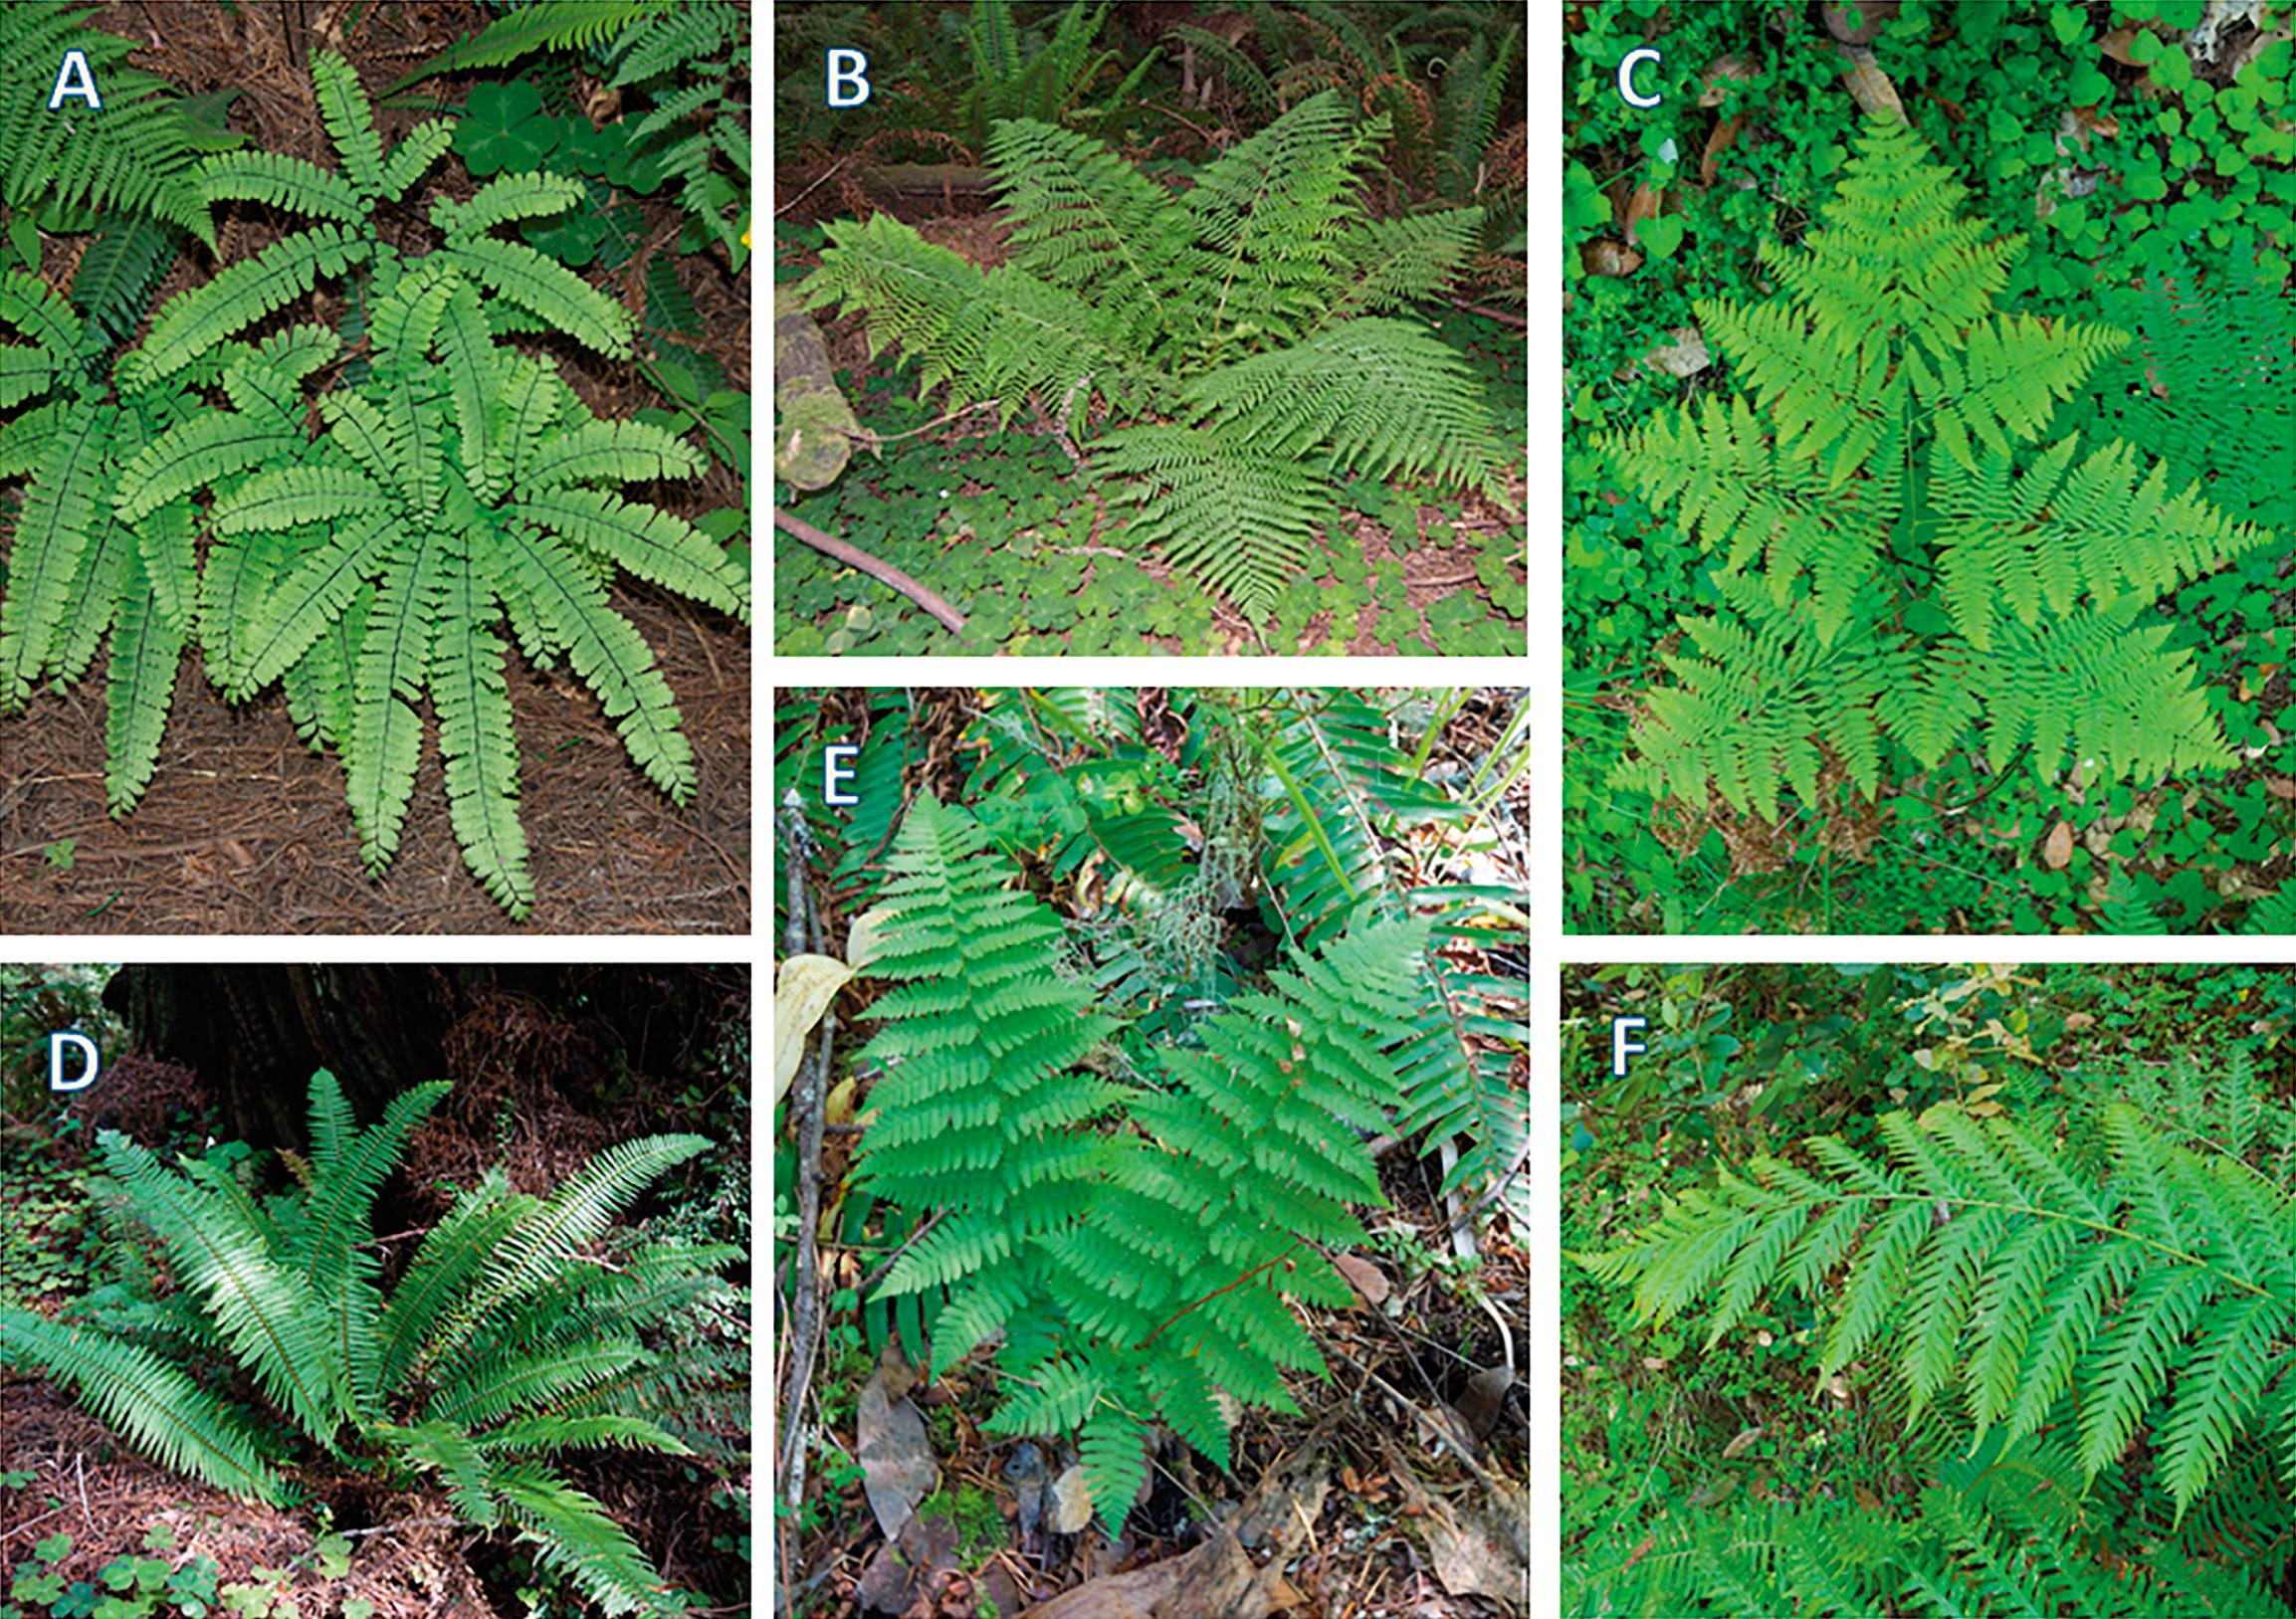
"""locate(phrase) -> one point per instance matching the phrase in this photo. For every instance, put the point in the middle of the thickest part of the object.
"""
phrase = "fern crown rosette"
(501, 1346)
(456, 489)
(1903, 550)
(1241, 336)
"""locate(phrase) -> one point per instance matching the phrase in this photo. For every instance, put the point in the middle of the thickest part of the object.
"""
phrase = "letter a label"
(75, 78)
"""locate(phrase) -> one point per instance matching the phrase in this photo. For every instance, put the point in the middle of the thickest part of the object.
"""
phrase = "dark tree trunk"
(254, 1033)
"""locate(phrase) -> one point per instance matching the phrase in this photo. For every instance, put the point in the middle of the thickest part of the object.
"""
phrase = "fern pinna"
(503, 1343)
(1903, 552)
(1243, 328)
(2072, 1303)
(1134, 1274)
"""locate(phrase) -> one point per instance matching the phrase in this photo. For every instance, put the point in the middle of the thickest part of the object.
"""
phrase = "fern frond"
(1241, 521)
(608, 654)
(168, 1416)
(547, 24)
(279, 181)
(264, 1310)
(475, 744)
(350, 119)
(238, 296)
(576, 1538)
(2040, 1278)
(549, 290)
(137, 153)
(1380, 396)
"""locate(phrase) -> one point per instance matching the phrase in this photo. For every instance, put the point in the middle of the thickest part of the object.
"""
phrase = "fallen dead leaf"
(1646, 203)
(1369, 1281)
(896, 1455)
(1603, 257)
(1868, 86)
(2057, 847)
(1478, 1546)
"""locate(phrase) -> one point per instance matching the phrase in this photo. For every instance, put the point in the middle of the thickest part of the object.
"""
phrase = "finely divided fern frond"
(1886, 406)
(2154, 1289)
(1134, 1274)
(1251, 307)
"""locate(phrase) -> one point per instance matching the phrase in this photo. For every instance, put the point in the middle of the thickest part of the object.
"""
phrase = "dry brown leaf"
(1738, 1445)
(1369, 1281)
(1723, 137)
(1603, 257)
(1868, 86)
(896, 1455)
(1646, 203)
(2057, 847)
(2119, 45)
(2280, 786)
(1684, 354)
(1872, 17)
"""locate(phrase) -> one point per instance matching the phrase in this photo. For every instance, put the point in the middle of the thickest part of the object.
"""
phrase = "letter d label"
(58, 1043)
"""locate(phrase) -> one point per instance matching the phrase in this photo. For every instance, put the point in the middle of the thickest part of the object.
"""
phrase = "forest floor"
(243, 830)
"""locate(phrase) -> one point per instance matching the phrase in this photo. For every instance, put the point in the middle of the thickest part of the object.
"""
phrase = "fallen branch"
(884, 572)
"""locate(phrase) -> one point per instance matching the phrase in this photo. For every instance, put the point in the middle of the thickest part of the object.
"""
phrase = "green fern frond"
(546, 25)
(264, 1310)
(576, 1538)
(2041, 1278)
(1888, 407)
(237, 297)
(137, 153)
(166, 1414)
(279, 181)
(1240, 520)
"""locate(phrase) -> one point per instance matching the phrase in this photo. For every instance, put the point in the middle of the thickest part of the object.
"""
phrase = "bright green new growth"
(1137, 1273)
(1247, 315)
(1902, 554)
(503, 1343)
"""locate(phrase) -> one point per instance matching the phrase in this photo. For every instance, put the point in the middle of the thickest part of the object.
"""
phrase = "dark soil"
(245, 831)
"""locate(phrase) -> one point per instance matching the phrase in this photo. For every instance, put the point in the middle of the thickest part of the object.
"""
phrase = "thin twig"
(810, 1099)
(877, 568)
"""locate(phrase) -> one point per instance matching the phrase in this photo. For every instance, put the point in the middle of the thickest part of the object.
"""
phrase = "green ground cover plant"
(1285, 417)
(1928, 1289)
(2075, 152)
(452, 494)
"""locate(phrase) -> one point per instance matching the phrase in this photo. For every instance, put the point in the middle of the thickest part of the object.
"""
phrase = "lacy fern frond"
(1886, 405)
(1237, 334)
(1145, 1270)
(1994, 1271)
